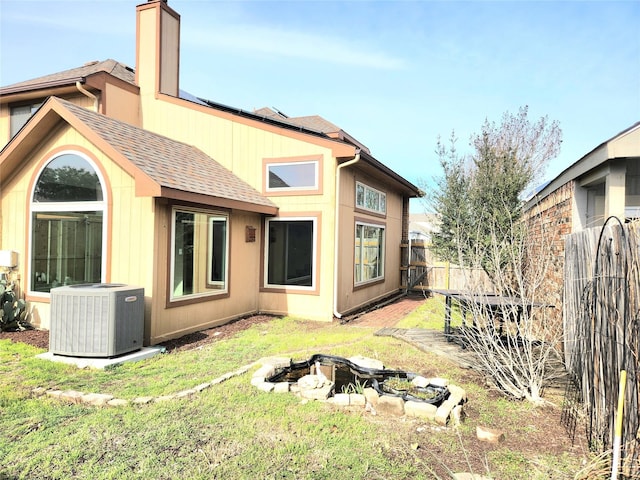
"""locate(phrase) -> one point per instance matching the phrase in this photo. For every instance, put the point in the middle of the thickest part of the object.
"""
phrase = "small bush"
(13, 310)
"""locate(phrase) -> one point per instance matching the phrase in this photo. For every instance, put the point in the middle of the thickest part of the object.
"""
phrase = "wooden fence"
(601, 310)
(442, 275)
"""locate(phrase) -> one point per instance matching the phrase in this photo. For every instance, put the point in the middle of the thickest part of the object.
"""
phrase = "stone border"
(102, 400)
(310, 387)
(318, 387)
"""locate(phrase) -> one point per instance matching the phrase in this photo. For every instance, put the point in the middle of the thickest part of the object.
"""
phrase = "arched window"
(67, 224)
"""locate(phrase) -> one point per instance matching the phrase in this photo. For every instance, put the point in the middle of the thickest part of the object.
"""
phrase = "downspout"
(355, 160)
(86, 92)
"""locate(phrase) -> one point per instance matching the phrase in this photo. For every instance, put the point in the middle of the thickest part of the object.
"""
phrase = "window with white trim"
(200, 252)
(67, 224)
(285, 176)
(290, 252)
(369, 198)
(369, 253)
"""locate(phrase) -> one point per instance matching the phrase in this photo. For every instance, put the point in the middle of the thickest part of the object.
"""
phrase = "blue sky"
(395, 75)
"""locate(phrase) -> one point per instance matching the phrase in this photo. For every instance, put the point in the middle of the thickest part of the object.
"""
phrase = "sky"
(396, 75)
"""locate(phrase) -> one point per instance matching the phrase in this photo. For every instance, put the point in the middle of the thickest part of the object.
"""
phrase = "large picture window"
(67, 225)
(368, 198)
(200, 252)
(290, 253)
(369, 253)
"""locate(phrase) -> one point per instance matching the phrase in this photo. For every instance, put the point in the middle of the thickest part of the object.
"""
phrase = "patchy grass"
(430, 315)
(231, 430)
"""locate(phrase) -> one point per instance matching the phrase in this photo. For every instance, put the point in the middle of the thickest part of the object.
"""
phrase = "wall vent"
(96, 320)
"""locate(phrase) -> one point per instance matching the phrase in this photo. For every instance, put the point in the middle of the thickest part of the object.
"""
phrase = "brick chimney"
(157, 48)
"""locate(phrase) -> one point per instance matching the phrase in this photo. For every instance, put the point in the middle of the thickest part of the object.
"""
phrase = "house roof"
(312, 122)
(161, 166)
(625, 144)
(379, 169)
(73, 75)
(312, 125)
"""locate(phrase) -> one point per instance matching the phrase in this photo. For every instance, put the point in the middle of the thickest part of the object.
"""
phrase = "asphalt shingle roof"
(110, 66)
(167, 162)
(310, 122)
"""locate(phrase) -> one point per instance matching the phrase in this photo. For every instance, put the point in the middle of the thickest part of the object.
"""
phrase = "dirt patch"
(37, 338)
(40, 338)
(204, 337)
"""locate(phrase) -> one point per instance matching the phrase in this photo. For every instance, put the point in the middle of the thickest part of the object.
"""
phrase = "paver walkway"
(387, 316)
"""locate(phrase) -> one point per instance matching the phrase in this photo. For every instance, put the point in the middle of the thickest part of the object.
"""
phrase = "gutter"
(22, 88)
(87, 93)
(355, 160)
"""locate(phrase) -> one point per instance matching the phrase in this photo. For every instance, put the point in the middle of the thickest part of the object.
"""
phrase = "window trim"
(91, 206)
(380, 278)
(313, 288)
(382, 212)
(211, 291)
(315, 189)
(210, 282)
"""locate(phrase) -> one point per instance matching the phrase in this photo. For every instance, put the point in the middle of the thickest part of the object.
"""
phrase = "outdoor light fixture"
(8, 259)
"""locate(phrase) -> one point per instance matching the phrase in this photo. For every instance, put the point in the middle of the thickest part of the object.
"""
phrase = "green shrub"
(13, 310)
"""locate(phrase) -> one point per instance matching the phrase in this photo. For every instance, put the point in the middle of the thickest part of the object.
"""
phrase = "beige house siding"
(237, 143)
(129, 260)
(170, 321)
(5, 124)
(138, 215)
(350, 296)
(243, 148)
(122, 104)
(5, 112)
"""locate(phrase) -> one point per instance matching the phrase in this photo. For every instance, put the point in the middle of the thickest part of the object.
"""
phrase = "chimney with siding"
(157, 48)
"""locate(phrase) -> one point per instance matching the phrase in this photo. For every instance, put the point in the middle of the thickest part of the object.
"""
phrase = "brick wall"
(550, 221)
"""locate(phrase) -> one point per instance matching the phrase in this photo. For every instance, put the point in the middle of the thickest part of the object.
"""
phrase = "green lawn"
(234, 431)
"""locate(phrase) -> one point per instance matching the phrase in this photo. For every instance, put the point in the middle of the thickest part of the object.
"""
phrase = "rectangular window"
(292, 176)
(290, 252)
(66, 249)
(200, 253)
(595, 205)
(20, 115)
(217, 251)
(368, 198)
(369, 253)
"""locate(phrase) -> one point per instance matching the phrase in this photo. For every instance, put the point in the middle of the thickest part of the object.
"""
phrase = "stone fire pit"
(363, 382)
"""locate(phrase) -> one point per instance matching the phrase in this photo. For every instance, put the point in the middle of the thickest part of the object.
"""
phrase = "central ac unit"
(96, 320)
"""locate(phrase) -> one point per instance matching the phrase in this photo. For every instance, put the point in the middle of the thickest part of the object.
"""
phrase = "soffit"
(623, 145)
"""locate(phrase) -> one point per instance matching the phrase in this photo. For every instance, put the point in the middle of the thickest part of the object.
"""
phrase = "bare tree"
(516, 337)
(480, 196)
(479, 202)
